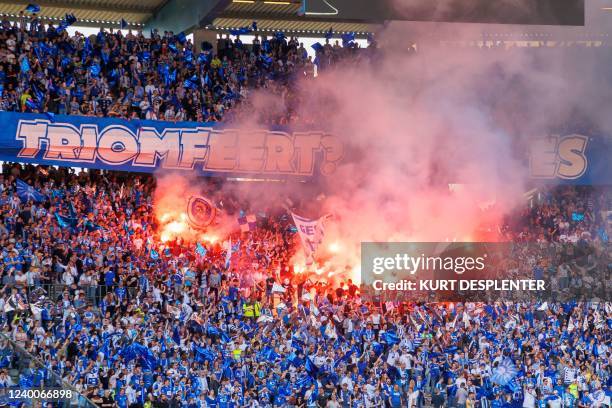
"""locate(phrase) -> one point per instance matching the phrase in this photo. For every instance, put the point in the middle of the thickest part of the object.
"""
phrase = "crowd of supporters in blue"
(130, 321)
(123, 74)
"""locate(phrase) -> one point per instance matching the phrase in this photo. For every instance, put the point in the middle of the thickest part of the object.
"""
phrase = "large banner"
(144, 146)
(211, 149)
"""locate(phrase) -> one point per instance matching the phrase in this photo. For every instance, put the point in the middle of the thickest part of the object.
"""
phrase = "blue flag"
(295, 360)
(212, 331)
(69, 19)
(27, 192)
(303, 383)
(241, 31)
(203, 354)
(62, 221)
(347, 39)
(176, 336)
(267, 60)
(297, 344)
(65, 222)
(33, 8)
(390, 338)
(39, 54)
(225, 338)
(95, 70)
(200, 250)
(137, 351)
(317, 46)
(603, 235)
(25, 65)
(344, 358)
(329, 34)
(40, 96)
(189, 84)
(154, 255)
(123, 24)
(311, 368)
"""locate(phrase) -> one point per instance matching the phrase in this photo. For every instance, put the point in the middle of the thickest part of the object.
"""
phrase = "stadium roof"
(89, 12)
(271, 15)
(282, 15)
(223, 15)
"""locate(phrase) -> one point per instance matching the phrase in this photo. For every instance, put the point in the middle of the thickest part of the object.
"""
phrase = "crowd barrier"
(19, 361)
(93, 293)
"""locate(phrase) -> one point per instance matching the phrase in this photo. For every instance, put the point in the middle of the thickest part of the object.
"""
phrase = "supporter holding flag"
(33, 8)
(28, 193)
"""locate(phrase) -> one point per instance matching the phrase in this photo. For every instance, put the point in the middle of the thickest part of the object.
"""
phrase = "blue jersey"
(121, 401)
(109, 278)
(224, 401)
(395, 399)
(211, 402)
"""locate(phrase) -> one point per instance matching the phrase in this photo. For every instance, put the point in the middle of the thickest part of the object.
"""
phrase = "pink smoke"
(411, 125)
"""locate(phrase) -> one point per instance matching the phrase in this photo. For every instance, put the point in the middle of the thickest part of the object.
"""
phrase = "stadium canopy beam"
(184, 15)
(132, 8)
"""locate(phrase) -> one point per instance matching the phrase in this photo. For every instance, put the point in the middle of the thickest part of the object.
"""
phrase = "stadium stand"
(130, 321)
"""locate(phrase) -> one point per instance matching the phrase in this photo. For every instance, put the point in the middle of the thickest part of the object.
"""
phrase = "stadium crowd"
(133, 321)
(127, 75)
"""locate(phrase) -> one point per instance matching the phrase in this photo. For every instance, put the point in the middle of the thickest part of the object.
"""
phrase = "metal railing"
(93, 293)
(20, 360)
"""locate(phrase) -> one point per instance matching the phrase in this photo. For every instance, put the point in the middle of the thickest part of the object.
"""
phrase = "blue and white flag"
(62, 221)
(247, 223)
(348, 39)
(504, 373)
(27, 192)
(311, 233)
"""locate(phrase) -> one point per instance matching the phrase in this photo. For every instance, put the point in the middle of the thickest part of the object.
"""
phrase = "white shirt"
(529, 401)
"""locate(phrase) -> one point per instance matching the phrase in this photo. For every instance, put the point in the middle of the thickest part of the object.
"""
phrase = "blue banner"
(571, 159)
(212, 149)
(145, 146)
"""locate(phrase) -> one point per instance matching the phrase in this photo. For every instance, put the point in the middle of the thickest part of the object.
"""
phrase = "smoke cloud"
(414, 122)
